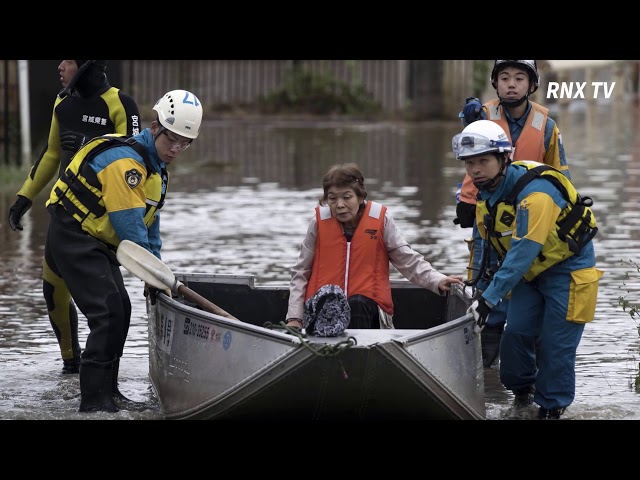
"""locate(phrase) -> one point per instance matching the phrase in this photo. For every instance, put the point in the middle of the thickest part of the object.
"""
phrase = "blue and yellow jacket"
(116, 194)
(533, 231)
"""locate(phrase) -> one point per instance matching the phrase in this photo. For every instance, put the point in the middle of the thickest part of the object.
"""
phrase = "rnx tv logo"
(577, 89)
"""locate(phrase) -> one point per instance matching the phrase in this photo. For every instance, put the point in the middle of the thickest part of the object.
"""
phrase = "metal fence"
(405, 89)
(242, 82)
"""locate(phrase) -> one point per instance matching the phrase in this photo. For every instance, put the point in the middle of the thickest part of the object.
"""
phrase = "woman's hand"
(445, 284)
(294, 322)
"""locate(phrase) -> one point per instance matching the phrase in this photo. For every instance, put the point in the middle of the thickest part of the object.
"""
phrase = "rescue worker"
(531, 214)
(534, 136)
(351, 237)
(113, 190)
(86, 107)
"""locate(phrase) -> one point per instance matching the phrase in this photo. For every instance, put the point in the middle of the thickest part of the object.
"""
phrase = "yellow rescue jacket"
(79, 191)
(575, 226)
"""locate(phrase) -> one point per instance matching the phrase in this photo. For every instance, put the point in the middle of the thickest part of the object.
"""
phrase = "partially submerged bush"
(320, 94)
(631, 307)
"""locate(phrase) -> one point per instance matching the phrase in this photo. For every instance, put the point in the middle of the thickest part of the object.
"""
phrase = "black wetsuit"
(92, 108)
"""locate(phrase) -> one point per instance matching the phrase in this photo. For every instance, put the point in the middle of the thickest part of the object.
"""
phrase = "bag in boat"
(327, 313)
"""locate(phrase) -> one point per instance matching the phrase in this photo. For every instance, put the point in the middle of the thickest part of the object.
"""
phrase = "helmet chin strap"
(492, 183)
(489, 184)
(161, 129)
(513, 103)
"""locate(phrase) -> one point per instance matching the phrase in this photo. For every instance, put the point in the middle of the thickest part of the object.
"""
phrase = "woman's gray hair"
(345, 175)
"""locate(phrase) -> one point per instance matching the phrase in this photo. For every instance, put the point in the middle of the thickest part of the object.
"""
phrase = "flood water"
(239, 202)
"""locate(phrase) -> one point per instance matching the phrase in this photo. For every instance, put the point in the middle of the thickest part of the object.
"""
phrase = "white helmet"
(180, 111)
(480, 137)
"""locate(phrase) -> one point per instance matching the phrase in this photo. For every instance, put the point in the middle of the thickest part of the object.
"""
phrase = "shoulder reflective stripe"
(375, 210)
(152, 202)
(325, 213)
(536, 123)
(494, 113)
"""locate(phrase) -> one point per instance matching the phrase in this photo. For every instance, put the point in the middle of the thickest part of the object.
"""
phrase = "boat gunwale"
(393, 343)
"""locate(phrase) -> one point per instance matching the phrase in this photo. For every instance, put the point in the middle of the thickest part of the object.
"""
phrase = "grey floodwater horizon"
(239, 202)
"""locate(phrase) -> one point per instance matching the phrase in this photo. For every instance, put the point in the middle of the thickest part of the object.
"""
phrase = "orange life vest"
(530, 144)
(359, 267)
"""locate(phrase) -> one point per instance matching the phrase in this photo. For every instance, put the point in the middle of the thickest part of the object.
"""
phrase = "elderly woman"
(349, 244)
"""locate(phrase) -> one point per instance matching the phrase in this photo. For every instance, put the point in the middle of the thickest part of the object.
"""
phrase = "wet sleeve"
(554, 148)
(155, 243)
(411, 264)
(536, 217)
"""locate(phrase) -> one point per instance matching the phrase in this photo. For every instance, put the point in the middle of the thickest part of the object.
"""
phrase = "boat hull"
(203, 366)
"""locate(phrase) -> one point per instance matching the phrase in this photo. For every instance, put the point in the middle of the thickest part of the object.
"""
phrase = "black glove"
(72, 141)
(466, 213)
(472, 111)
(17, 211)
(480, 310)
(152, 292)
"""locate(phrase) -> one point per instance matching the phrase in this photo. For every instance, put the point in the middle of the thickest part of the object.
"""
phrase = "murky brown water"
(239, 202)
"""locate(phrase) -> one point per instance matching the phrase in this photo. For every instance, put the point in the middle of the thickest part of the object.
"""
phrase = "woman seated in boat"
(349, 244)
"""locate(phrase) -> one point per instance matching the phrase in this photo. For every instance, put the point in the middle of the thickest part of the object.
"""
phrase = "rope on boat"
(326, 350)
(322, 350)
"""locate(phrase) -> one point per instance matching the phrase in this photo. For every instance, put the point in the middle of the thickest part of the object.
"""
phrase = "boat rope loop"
(320, 350)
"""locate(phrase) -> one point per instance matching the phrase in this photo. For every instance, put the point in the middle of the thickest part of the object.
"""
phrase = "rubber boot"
(552, 413)
(96, 380)
(490, 340)
(523, 397)
(72, 365)
(120, 400)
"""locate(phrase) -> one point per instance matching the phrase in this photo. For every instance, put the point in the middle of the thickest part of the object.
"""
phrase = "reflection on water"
(240, 200)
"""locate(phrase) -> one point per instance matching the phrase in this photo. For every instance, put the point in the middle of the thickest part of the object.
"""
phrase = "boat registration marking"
(201, 331)
(164, 331)
(467, 335)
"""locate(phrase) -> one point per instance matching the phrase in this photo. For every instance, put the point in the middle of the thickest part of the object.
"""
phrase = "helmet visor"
(471, 144)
